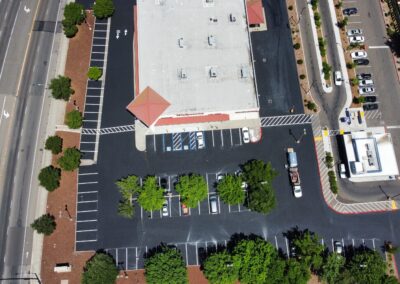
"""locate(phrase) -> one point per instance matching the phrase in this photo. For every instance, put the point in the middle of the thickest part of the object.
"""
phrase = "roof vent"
(232, 18)
(209, 1)
(182, 74)
(213, 20)
(211, 41)
(181, 42)
(213, 72)
(244, 72)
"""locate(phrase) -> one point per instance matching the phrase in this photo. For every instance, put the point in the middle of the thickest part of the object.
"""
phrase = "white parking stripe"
(187, 259)
(378, 47)
(83, 231)
(86, 241)
(85, 192)
(86, 221)
(87, 211)
(91, 201)
(87, 174)
(90, 182)
(287, 247)
(212, 135)
(276, 243)
(230, 132)
(222, 139)
(197, 255)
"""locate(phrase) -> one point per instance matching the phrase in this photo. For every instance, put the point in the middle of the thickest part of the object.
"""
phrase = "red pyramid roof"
(255, 12)
(148, 106)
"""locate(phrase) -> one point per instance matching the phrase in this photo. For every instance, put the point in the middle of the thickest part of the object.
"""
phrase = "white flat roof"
(372, 152)
(193, 38)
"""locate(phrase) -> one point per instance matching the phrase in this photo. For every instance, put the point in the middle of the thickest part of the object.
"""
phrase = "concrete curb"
(342, 60)
(327, 89)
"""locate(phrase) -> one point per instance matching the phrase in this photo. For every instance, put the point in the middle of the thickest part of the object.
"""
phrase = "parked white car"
(359, 54)
(364, 83)
(356, 39)
(338, 78)
(342, 171)
(354, 32)
(366, 90)
(200, 140)
(246, 135)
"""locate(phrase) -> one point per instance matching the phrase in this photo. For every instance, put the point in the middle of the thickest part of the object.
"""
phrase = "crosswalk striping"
(284, 120)
(108, 130)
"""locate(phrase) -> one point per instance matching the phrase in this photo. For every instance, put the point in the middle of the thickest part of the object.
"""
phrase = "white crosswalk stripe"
(284, 120)
(108, 130)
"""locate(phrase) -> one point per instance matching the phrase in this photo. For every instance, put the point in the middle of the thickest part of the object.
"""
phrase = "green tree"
(45, 224)
(61, 88)
(256, 171)
(103, 9)
(257, 262)
(70, 160)
(193, 189)
(326, 69)
(74, 14)
(230, 189)
(94, 73)
(367, 267)
(219, 268)
(297, 272)
(151, 196)
(128, 186)
(100, 269)
(74, 119)
(49, 178)
(126, 209)
(54, 144)
(165, 266)
(261, 198)
(333, 267)
(309, 250)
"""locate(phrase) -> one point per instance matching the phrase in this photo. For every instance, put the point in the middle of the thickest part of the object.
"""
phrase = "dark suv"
(350, 11)
(361, 61)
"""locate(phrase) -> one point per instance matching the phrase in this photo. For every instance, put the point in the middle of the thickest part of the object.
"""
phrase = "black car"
(370, 99)
(364, 76)
(370, 106)
(350, 11)
(361, 61)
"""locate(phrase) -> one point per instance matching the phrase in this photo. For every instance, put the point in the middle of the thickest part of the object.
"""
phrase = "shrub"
(328, 160)
(296, 45)
(302, 76)
(94, 73)
(343, 23)
(359, 100)
(354, 81)
(326, 69)
(339, 5)
(317, 19)
(61, 88)
(350, 65)
(74, 14)
(322, 44)
(103, 9)
(70, 160)
(74, 119)
(332, 181)
(290, 8)
(54, 144)
(311, 106)
(300, 61)
(314, 4)
(49, 178)
(45, 224)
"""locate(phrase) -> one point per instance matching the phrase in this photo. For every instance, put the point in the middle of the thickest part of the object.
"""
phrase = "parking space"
(188, 141)
(194, 253)
(87, 207)
(175, 207)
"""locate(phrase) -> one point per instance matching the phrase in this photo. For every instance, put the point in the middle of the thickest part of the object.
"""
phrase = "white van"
(213, 205)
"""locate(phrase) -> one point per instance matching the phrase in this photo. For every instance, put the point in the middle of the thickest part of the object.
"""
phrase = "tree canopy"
(165, 266)
(45, 224)
(103, 8)
(333, 267)
(49, 178)
(74, 14)
(261, 198)
(257, 262)
(193, 189)
(367, 267)
(74, 119)
(151, 196)
(128, 186)
(256, 171)
(309, 249)
(54, 144)
(126, 209)
(100, 269)
(219, 268)
(70, 160)
(230, 189)
(297, 272)
(94, 73)
(61, 88)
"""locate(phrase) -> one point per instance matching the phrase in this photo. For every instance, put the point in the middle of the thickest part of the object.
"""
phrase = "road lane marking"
(378, 47)
(2, 109)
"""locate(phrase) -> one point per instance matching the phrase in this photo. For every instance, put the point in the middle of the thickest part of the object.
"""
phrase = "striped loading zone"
(109, 130)
(176, 141)
(283, 120)
(192, 141)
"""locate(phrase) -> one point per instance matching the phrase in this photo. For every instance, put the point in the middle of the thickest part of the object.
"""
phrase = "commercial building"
(193, 66)
(370, 155)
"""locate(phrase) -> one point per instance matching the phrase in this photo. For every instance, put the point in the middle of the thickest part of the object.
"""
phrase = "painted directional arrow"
(26, 9)
(6, 114)
(125, 31)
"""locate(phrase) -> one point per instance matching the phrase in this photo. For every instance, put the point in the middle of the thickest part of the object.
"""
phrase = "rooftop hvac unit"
(232, 18)
(213, 72)
(211, 40)
(181, 42)
(244, 72)
(182, 74)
